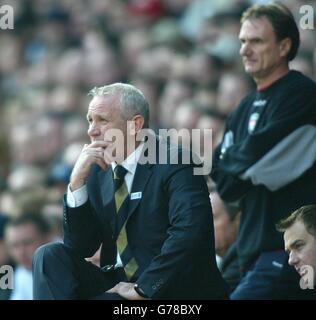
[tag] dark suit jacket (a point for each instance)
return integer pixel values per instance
(169, 230)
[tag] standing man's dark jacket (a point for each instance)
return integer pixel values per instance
(266, 161)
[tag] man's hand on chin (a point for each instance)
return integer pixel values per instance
(126, 290)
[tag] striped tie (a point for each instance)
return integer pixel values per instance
(121, 203)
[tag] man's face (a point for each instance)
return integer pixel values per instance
(22, 241)
(104, 114)
(261, 52)
(225, 229)
(301, 247)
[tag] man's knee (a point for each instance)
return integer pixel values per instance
(49, 251)
(52, 265)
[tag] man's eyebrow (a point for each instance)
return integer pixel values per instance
(250, 38)
(100, 115)
(294, 244)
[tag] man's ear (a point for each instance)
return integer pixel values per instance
(139, 123)
(285, 47)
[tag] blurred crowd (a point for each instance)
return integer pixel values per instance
(183, 55)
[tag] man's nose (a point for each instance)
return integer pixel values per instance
(293, 259)
(244, 49)
(94, 131)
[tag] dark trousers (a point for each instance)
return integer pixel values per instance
(270, 277)
(60, 274)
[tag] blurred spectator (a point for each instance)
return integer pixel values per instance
(174, 93)
(156, 63)
(37, 141)
(206, 98)
(304, 63)
(73, 131)
(226, 223)
(25, 177)
(4, 255)
(175, 7)
(212, 120)
(26, 190)
(186, 116)
(185, 119)
(4, 159)
(231, 89)
(23, 235)
(204, 69)
(133, 43)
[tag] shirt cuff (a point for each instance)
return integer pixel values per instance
(78, 197)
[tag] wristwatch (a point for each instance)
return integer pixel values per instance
(140, 291)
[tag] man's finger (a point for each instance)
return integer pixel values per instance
(101, 163)
(96, 144)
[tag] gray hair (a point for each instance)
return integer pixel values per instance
(131, 101)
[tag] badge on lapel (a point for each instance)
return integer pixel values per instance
(136, 195)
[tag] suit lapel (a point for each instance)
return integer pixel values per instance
(141, 178)
(142, 175)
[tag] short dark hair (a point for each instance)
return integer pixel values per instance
(282, 21)
(35, 219)
(306, 214)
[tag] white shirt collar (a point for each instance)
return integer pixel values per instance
(130, 163)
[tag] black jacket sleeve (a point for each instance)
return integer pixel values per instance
(81, 230)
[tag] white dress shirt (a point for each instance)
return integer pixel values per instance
(23, 284)
(78, 197)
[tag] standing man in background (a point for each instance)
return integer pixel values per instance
(266, 161)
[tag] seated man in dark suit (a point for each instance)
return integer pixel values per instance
(152, 219)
